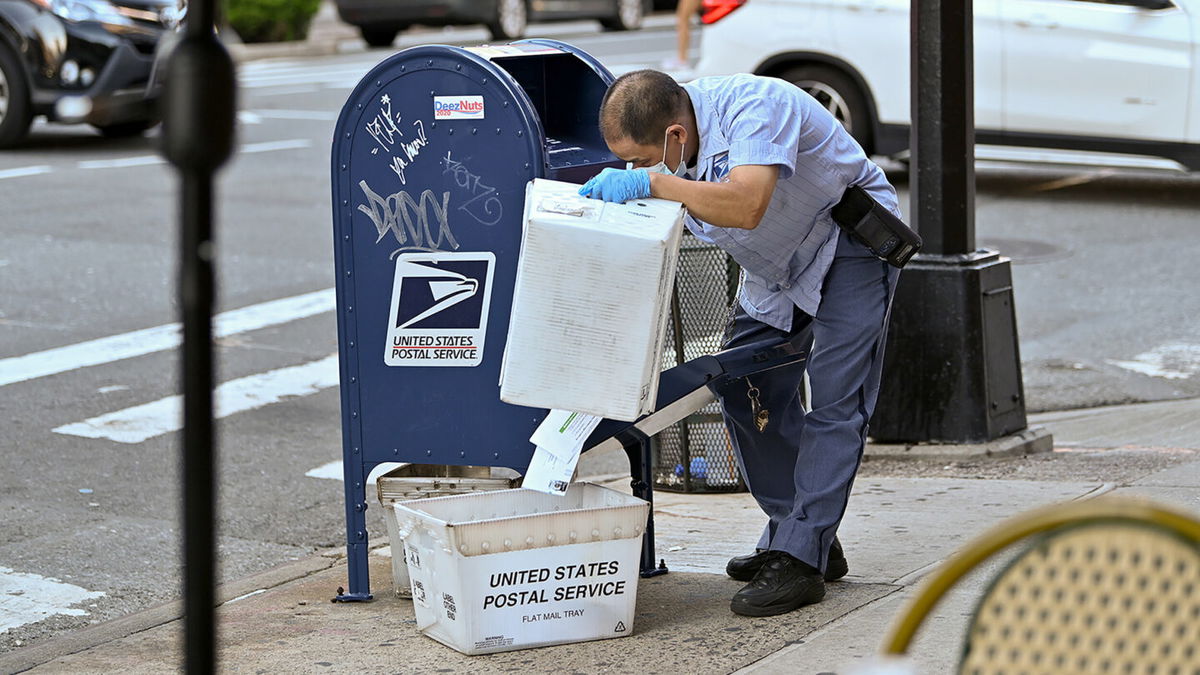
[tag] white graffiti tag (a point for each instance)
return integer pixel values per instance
(408, 220)
(386, 132)
(484, 206)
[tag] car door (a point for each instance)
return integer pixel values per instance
(875, 37)
(1103, 68)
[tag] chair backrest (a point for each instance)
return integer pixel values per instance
(1108, 585)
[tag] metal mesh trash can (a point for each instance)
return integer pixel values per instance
(695, 455)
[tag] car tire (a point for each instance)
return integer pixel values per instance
(509, 20)
(16, 112)
(125, 129)
(627, 15)
(840, 95)
(378, 37)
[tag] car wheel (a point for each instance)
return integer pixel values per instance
(628, 15)
(838, 94)
(15, 110)
(510, 20)
(378, 37)
(125, 129)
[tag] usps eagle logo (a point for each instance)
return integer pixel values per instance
(439, 308)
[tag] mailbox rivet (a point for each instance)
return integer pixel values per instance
(358, 486)
(451, 132)
(360, 106)
(497, 131)
(347, 134)
(428, 453)
(346, 237)
(403, 68)
(343, 167)
(353, 380)
(347, 272)
(505, 105)
(360, 534)
(352, 343)
(358, 507)
(430, 62)
(520, 133)
(526, 165)
(474, 131)
(458, 67)
(496, 455)
(350, 309)
(462, 453)
(432, 92)
(395, 451)
(354, 414)
(378, 83)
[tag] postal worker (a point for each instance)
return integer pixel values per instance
(761, 166)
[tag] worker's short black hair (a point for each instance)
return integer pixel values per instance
(641, 105)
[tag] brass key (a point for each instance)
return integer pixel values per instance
(761, 414)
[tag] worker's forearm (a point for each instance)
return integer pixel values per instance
(720, 204)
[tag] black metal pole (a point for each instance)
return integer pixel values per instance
(952, 371)
(198, 136)
(943, 130)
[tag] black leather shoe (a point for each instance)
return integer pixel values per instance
(744, 567)
(782, 584)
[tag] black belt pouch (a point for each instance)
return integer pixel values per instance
(875, 227)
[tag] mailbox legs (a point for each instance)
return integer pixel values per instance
(357, 570)
(637, 446)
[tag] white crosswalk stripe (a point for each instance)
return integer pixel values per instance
(139, 423)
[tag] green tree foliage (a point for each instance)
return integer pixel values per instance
(271, 20)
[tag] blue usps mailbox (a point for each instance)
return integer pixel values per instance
(431, 156)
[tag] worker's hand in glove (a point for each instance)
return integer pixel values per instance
(618, 185)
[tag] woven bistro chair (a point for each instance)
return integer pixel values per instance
(1109, 585)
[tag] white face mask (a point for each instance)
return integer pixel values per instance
(662, 167)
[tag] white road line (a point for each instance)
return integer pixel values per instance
(159, 338)
(334, 471)
(139, 423)
(25, 171)
(142, 160)
(28, 598)
(150, 160)
(288, 91)
(318, 115)
(1173, 361)
(293, 144)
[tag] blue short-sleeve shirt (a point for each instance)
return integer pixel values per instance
(747, 119)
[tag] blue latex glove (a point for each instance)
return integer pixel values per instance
(618, 185)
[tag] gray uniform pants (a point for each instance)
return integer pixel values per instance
(801, 466)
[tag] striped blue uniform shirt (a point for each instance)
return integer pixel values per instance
(747, 119)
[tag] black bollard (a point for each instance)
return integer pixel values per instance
(198, 137)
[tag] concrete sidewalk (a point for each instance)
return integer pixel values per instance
(896, 530)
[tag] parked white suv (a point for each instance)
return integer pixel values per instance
(1104, 75)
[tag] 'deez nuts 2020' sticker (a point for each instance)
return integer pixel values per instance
(439, 309)
(458, 107)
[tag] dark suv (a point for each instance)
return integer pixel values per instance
(80, 61)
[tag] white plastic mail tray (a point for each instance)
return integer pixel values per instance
(591, 302)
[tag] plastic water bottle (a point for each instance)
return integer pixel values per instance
(699, 467)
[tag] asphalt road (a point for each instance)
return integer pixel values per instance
(1105, 292)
